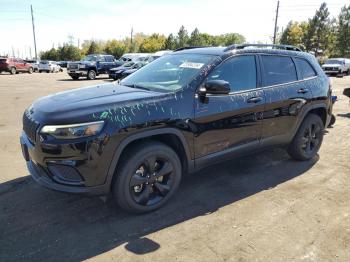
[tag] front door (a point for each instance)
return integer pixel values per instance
(226, 123)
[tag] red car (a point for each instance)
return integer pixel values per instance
(14, 65)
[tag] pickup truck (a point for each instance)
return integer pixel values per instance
(91, 66)
(337, 66)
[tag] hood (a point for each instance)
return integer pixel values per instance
(130, 71)
(119, 68)
(82, 63)
(85, 101)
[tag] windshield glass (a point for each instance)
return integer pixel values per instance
(89, 58)
(168, 73)
(333, 61)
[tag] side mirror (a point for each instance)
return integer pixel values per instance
(215, 87)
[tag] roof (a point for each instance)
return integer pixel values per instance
(243, 49)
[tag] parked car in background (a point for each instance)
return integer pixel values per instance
(117, 72)
(134, 140)
(91, 66)
(15, 65)
(133, 69)
(337, 66)
(62, 64)
(34, 63)
(49, 67)
(128, 57)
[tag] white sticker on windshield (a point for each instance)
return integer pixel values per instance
(191, 65)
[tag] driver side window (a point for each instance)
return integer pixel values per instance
(239, 72)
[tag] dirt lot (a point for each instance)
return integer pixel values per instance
(260, 208)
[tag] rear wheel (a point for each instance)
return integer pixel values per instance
(308, 139)
(150, 174)
(91, 75)
(13, 70)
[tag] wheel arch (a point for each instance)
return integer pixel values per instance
(168, 136)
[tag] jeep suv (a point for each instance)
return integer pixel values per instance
(15, 65)
(91, 66)
(182, 112)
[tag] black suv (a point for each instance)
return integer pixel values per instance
(92, 66)
(184, 111)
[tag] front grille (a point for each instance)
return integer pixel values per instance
(29, 126)
(73, 66)
(331, 68)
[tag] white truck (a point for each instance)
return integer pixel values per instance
(337, 66)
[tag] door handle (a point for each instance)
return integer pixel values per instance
(254, 99)
(303, 91)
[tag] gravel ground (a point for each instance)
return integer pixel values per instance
(265, 207)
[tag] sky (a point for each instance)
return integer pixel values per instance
(108, 19)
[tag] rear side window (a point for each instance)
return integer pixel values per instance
(239, 71)
(305, 69)
(278, 70)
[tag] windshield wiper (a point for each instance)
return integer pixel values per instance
(136, 86)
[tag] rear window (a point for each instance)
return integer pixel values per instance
(278, 70)
(305, 69)
(3, 60)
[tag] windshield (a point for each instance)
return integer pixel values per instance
(333, 61)
(89, 58)
(44, 62)
(168, 73)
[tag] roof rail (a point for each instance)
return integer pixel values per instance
(282, 47)
(189, 47)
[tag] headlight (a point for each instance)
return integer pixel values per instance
(73, 131)
(81, 66)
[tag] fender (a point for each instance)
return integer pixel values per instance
(145, 134)
(307, 110)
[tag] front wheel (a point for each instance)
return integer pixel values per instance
(150, 174)
(74, 77)
(91, 75)
(13, 70)
(308, 139)
(30, 70)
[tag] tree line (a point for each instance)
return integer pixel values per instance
(321, 34)
(141, 43)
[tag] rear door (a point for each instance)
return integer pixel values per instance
(19, 64)
(232, 122)
(286, 95)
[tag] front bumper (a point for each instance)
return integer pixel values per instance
(73, 72)
(56, 178)
(330, 72)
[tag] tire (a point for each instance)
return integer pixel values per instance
(30, 70)
(308, 139)
(75, 77)
(332, 122)
(13, 71)
(91, 75)
(135, 189)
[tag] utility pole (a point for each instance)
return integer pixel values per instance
(132, 30)
(31, 9)
(275, 30)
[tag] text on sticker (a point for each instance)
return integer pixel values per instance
(191, 65)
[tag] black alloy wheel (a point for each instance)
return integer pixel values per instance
(308, 139)
(149, 175)
(152, 181)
